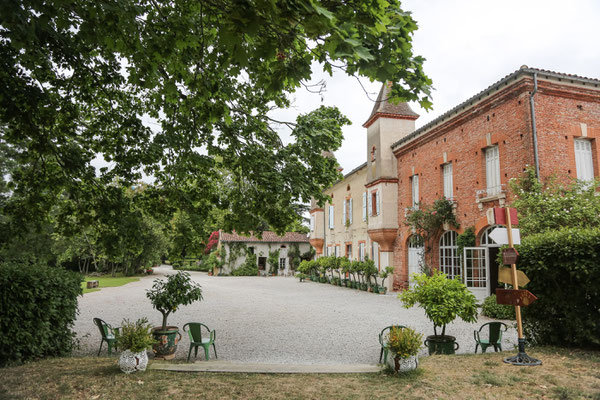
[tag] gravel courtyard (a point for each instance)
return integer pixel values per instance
(272, 320)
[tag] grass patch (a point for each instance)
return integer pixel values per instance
(444, 377)
(108, 281)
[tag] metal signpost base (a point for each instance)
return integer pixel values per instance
(522, 358)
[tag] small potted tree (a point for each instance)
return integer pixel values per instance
(387, 271)
(135, 338)
(404, 345)
(443, 300)
(166, 297)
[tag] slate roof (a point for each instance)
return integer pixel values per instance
(382, 106)
(542, 73)
(267, 237)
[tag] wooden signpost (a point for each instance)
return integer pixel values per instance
(515, 296)
(505, 276)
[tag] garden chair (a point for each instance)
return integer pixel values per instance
(196, 340)
(108, 335)
(384, 349)
(494, 336)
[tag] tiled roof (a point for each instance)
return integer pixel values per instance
(542, 73)
(383, 106)
(267, 236)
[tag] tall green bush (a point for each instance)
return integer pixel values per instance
(38, 305)
(564, 268)
(248, 268)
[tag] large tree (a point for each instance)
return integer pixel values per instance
(180, 90)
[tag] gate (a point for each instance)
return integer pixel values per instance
(476, 271)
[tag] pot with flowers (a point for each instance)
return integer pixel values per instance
(135, 338)
(166, 297)
(404, 345)
(443, 300)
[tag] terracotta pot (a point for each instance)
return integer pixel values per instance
(166, 342)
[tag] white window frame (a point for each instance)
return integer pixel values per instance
(448, 181)
(378, 202)
(312, 222)
(282, 263)
(331, 212)
(449, 257)
(361, 251)
(492, 170)
(414, 188)
(336, 251)
(584, 160)
(344, 212)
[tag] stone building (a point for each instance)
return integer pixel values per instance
(531, 117)
(237, 246)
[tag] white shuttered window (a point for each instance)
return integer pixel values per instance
(330, 217)
(448, 181)
(378, 200)
(370, 205)
(492, 170)
(364, 206)
(344, 215)
(415, 191)
(350, 210)
(584, 161)
(312, 223)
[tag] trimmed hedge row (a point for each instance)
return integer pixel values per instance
(38, 305)
(564, 268)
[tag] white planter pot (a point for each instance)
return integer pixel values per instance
(130, 362)
(404, 364)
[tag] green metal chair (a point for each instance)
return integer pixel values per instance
(108, 335)
(196, 340)
(494, 336)
(384, 349)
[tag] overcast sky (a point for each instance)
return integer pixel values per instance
(469, 45)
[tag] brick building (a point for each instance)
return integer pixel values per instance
(531, 117)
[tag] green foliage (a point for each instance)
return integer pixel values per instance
(294, 256)
(135, 336)
(236, 249)
(564, 270)
(273, 261)
(248, 268)
(387, 271)
(177, 290)
(428, 221)
(301, 276)
(442, 299)
(554, 204)
(38, 306)
(465, 239)
(499, 311)
(404, 342)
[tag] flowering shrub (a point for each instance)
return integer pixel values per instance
(404, 342)
(213, 240)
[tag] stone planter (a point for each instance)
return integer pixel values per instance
(131, 362)
(399, 365)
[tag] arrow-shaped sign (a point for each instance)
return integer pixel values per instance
(505, 276)
(513, 297)
(500, 236)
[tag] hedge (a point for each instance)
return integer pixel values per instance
(564, 268)
(38, 306)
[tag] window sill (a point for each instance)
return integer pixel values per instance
(500, 197)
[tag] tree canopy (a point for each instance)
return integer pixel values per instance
(180, 91)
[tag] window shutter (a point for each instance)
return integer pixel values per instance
(370, 203)
(378, 199)
(312, 223)
(492, 170)
(364, 206)
(344, 219)
(583, 160)
(448, 184)
(330, 217)
(350, 210)
(415, 191)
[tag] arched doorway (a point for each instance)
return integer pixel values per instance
(416, 255)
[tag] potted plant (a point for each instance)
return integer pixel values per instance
(301, 276)
(387, 271)
(135, 338)
(404, 345)
(166, 297)
(443, 300)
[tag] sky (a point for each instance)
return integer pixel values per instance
(469, 45)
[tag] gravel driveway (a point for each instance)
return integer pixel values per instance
(272, 320)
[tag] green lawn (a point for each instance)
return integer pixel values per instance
(565, 374)
(108, 281)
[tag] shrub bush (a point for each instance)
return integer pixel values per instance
(564, 268)
(38, 305)
(498, 311)
(248, 268)
(404, 342)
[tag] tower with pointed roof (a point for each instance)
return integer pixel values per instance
(387, 124)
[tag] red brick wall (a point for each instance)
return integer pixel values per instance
(506, 115)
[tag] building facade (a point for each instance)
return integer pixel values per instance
(236, 247)
(531, 117)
